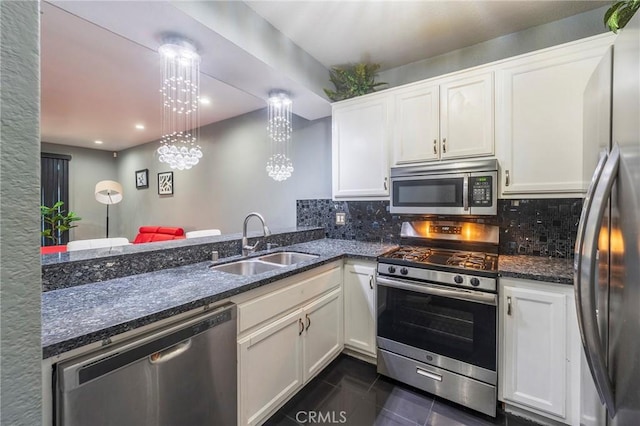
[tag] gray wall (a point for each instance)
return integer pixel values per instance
(20, 283)
(562, 31)
(230, 180)
(86, 168)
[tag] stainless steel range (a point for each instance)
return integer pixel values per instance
(437, 311)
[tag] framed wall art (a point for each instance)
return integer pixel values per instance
(142, 179)
(165, 183)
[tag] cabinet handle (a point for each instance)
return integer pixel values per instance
(371, 282)
(301, 326)
(509, 305)
(435, 146)
(444, 145)
(385, 184)
(308, 321)
(506, 178)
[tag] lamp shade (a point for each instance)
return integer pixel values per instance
(108, 192)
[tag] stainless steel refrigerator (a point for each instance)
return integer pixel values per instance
(607, 261)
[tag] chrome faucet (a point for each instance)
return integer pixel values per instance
(246, 248)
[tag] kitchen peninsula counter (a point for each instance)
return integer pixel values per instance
(78, 315)
(62, 270)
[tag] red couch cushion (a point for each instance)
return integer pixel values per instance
(53, 249)
(149, 234)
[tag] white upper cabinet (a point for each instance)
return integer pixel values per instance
(417, 126)
(531, 119)
(539, 125)
(360, 147)
(466, 116)
(442, 119)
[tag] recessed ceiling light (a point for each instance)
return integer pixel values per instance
(140, 126)
(205, 101)
(98, 142)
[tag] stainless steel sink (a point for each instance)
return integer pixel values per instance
(247, 267)
(287, 257)
(265, 263)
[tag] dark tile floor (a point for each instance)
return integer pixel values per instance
(350, 392)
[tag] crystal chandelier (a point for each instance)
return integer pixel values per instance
(279, 166)
(180, 96)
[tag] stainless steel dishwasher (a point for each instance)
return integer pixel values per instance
(183, 374)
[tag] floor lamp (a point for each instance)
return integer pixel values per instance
(108, 192)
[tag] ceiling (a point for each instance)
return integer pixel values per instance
(395, 33)
(101, 71)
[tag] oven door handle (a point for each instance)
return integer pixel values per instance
(436, 290)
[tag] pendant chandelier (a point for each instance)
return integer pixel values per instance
(279, 166)
(180, 96)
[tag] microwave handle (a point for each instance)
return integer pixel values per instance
(465, 192)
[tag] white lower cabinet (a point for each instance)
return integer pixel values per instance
(540, 349)
(322, 337)
(360, 307)
(285, 352)
(270, 367)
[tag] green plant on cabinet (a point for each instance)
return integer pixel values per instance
(352, 80)
(617, 16)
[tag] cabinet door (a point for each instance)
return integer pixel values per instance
(359, 308)
(323, 337)
(466, 116)
(416, 126)
(270, 368)
(535, 356)
(360, 143)
(540, 120)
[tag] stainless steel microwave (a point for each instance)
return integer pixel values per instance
(446, 188)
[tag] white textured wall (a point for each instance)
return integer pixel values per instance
(20, 287)
(230, 181)
(86, 168)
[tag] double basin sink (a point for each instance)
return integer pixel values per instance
(265, 263)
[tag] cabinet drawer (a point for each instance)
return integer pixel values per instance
(280, 301)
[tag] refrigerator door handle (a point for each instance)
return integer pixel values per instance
(586, 283)
(583, 219)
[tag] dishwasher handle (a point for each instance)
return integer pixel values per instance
(168, 354)
(164, 345)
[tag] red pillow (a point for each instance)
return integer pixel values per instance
(158, 233)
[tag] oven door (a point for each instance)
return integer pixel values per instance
(454, 329)
(445, 194)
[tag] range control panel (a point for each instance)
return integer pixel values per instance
(480, 190)
(445, 229)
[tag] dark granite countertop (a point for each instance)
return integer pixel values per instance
(93, 254)
(69, 269)
(76, 316)
(537, 268)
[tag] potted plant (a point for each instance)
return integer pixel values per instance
(353, 80)
(617, 16)
(56, 222)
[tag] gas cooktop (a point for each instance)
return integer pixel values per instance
(420, 256)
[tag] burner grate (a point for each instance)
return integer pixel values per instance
(444, 257)
(468, 260)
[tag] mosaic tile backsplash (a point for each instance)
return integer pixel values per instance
(543, 227)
